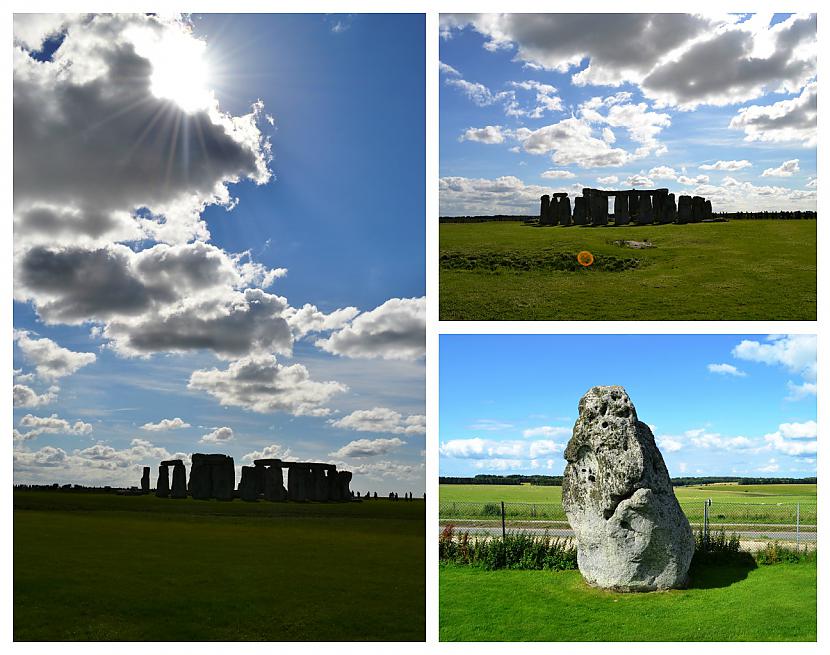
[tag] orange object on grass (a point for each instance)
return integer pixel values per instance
(585, 258)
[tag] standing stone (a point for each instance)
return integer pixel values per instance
(223, 477)
(274, 491)
(248, 483)
(179, 487)
(343, 479)
(543, 210)
(697, 209)
(631, 534)
(163, 484)
(565, 211)
(671, 209)
(633, 204)
(707, 209)
(200, 482)
(684, 209)
(661, 205)
(145, 480)
(599, 209)
(298, 482)
(580, 216)
(645, 215)
(621, 215)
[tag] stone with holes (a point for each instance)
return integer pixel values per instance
(631, 534)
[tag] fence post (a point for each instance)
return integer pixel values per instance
(706, 524)
(502, 521)
(797, 522)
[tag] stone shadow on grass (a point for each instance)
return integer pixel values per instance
(714, 572)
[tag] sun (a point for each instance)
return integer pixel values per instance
(180, 68)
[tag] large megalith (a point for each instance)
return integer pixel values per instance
(178, 488)
(145, 480)
(163, 483)
(631, 534)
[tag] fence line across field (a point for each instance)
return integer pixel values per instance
(790, 522)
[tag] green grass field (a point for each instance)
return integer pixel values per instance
(740, 270)
(735, 602)
(106, 567)
(732, 493)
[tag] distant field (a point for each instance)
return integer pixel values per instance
(740, 270)
(106, 567)
(723, 603)
(732, 493)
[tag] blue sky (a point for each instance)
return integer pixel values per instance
(231, 259)
(717, 404)
(721, 106)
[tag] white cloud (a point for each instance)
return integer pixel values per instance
(25, 396)
(490, 134)
(669, 444)
(272, 451)
(703, 439)
(572, 142)
(796, 353)
(608, 179)
(219, 435)
(546, 98)
(547, 431)
(771, 467)
(477, 448)
(166, 424)
(490, 425)
(786, 121)
(796, 439)
(786, 169)
(663, 173)
(639, 180)
(262, 385)
(461, 196)
(730, 165)
(50, 360)
(381, 419)
(53, 424)
(368, 447)
(699, 179)
(557, 175)
(394, 330)
(725, 369)
(544, 447)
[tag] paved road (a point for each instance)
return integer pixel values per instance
(567, 532)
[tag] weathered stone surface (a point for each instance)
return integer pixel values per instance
(630, 531)
(543, 209)
(248, 483)
(671, 209)
(343, 480)
(200, 484)
(565, 211)
(178, 488)
(298, 483)
(580, 216)
(621, 215)
(274, 491)
(684, 209)
(163, 484)
(212, 476)
(707, 209)
(645, 215)
(697, 209)
(661, 205)
(145, 479)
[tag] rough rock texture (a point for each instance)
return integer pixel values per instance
(163, 484)
(630, 531)
(178, 488)
(645, 215)
(580, 213)
(212, 476)
(621, 215)
(684, 209)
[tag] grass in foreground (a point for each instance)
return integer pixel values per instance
(740, 270)
(104, 567)
(731, 602)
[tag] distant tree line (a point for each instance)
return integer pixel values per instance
(556, 480)
(774, 215)
(484, 219)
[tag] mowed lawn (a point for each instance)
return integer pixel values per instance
(106, 567)
(723, 603)
(738, 270)
(731, 493)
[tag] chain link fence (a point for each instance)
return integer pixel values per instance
(755, 524)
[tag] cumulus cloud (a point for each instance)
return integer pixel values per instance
(381, 419)
(683, 60)
(461, 196)
(785, 121)
(546, 98)
(394, 330)
(608, 179)
(272, 451)
(368, 447)
(219, 435)
(797, 439)
(730, 165)
(725, 369)
(703, 439)
(557, 175)
(165, 425)
(260, 384)
(50, 360)
(668, 444)
(490, 134)
(786, 169)
(572, 142)
(796, 353)
(37, 425)
(487, 449)
(25, 396)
